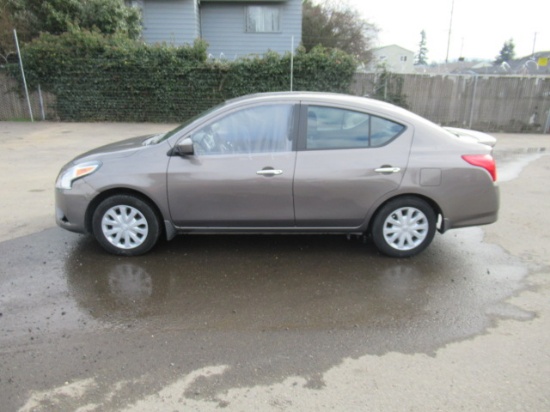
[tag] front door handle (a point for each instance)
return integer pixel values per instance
(269, 172)
(387, 170)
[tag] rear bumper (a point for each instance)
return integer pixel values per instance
(482, 210)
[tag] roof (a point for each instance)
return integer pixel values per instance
(391, 46)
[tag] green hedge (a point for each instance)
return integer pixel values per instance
(111, 78)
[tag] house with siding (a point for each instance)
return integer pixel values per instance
(231, 28)
(393, 58)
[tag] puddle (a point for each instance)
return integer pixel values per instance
(295, 283)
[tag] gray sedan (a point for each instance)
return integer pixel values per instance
(283, 163)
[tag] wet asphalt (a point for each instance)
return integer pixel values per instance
(267, 307)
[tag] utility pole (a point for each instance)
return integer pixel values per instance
(450, 31)
(534, 44)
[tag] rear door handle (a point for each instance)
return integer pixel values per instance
(386, 170)
(269, 172)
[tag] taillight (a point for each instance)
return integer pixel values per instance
(485, 161)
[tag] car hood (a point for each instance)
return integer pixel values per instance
(123, 148)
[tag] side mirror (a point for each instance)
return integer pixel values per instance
(185, 147)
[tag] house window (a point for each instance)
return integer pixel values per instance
(262, 19)
(403, 58)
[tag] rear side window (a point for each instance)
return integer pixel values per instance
(335, 128)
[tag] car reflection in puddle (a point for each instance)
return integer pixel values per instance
(302, 283)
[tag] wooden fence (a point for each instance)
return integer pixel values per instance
(487, 103)
(14, 105)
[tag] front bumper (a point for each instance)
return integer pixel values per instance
(71, 206)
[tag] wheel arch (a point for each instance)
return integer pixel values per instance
(121, 191)
(432, 203)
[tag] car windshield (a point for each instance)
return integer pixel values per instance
(164, 136)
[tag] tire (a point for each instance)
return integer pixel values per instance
(125, 225)
(404, 227)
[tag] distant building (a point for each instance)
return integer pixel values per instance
(393, 58)
(537, 64)
(534, 64)
(231, 28)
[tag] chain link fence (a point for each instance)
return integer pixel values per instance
(125, 96)
(100, 80)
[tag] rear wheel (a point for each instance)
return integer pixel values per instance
(125, 225)
(404, 227)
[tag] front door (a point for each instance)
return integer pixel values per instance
(241, 174)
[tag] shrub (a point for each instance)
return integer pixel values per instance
(113, 78)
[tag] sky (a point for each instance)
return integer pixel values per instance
(479, 27)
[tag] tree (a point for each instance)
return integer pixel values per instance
(31, 17)
(422, 56)
(507, 52)
(7, 24)
(336, 25)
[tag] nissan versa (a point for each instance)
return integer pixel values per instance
(284, 163)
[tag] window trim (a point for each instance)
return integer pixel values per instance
(302, 137)
(262, 6)
(224, 112)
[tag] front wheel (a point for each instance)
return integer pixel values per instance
(125, 225)
(404, 227)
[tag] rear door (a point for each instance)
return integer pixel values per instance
(346, 161)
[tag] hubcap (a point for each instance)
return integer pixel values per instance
(406, 228)
(124, 226)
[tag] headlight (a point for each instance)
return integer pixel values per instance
(67, 177)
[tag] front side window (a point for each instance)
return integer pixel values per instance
(262, 19)
(334, 128)
(261, 129)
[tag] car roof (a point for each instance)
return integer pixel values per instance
(301, 95)
(359, 102)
